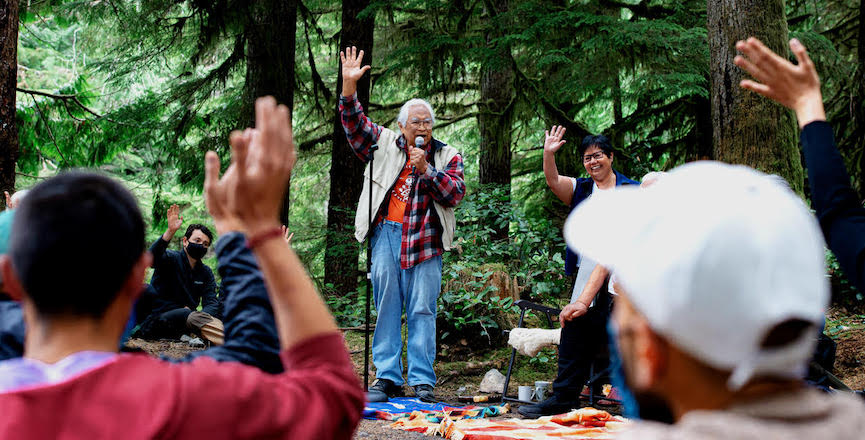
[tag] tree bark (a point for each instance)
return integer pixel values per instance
(747, 128)
(496, 115)
(346, 171)
(858, 119)
(8, 80)
(270, 50)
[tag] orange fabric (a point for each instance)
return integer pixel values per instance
(399, 195)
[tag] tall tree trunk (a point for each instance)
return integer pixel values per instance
(749, 129)
(496, 116)
(270, 61)
(698, 147)
(8, 81)
(346, 171)
(858, 135)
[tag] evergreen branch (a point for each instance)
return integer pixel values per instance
(379, 107)
(317, 81)
(64, 98)
(48, 128)
(562, 117)
(455, 119)
(309, 144)
(30, 175)
(641, 9)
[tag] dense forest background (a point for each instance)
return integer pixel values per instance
(141, 89)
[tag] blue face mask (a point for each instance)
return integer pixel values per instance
(196, 251)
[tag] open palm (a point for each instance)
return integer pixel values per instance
(351, 64)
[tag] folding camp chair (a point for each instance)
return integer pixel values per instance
(597, 371)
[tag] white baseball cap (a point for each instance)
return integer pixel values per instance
(713, 256)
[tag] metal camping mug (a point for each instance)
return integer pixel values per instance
(525, 393)
(541, 390)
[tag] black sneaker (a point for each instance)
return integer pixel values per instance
(425, 393)
(551, 406)
(382, 390)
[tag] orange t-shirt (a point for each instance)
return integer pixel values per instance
(399, 195)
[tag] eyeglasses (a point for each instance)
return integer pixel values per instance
(597, 156)
(418, 123)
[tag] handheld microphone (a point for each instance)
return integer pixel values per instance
(418, 143)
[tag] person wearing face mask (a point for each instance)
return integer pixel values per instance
(180, 283)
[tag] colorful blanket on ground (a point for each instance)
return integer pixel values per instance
(585, 423)
(403, 407)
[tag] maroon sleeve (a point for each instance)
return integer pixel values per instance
(318, 396)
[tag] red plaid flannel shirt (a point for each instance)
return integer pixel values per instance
(421, 228)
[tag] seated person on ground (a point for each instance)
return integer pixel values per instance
(721, 289)
(71, 382)
(180, 282)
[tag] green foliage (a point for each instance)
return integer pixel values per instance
(843, 292)
(165, 80)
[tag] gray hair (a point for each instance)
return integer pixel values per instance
(403, 112)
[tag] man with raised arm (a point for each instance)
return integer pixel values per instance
(797, 87)
(71, 382)
(418, 180)
(584, 320)
(180, 283)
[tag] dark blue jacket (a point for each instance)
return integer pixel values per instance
(250, 328)
(11, 329)
(838, 209)
(179, 285)
(581, 193)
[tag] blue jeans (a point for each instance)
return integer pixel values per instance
(417, 288)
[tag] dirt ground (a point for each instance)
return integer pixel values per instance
(848, 331)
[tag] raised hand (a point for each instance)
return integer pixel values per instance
(175, 220)
(352, 70)
(287, 235)
(795, 86)
(216, 189)
(553, 139)
(9, 204)
(251, 191)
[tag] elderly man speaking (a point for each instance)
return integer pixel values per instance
(417, 182)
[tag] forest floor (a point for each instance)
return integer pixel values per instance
(458, 366)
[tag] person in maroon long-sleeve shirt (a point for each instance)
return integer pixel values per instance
(71, 382)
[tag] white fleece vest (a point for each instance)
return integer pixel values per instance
(388, 162)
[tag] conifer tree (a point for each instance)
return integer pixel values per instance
(346, 171)
(8, 79)
(747, 128)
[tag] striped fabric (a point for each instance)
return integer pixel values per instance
(585, 423)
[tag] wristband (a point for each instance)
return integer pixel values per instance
(261, 237)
